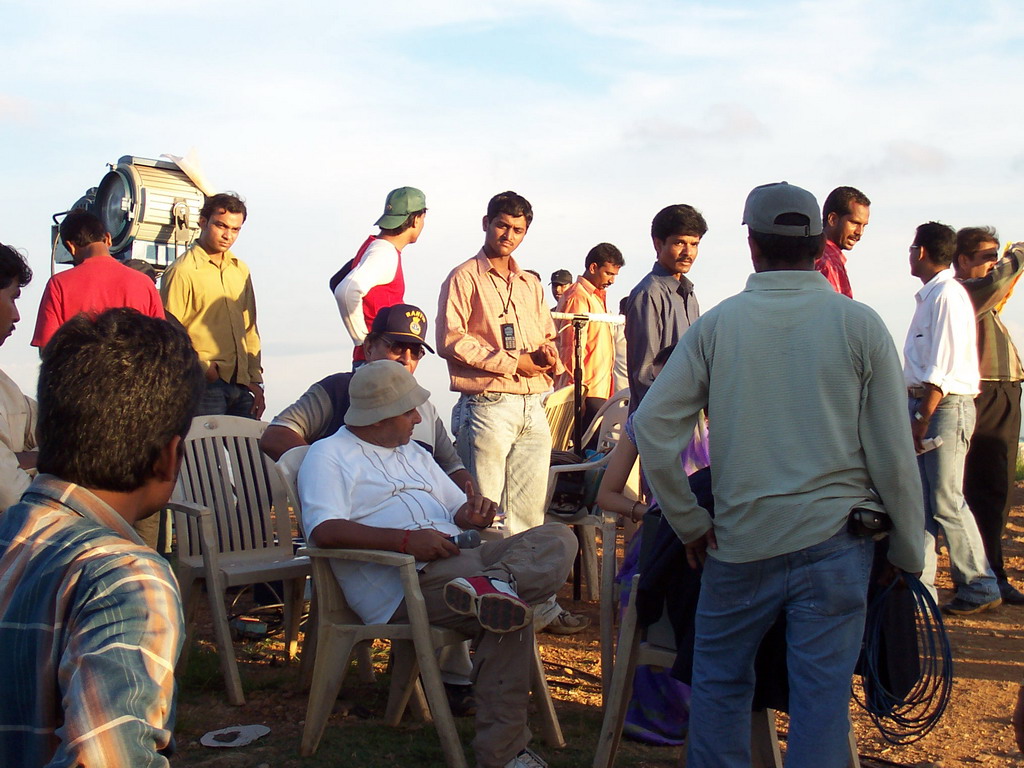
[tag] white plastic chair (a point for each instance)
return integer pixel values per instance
(233, 528)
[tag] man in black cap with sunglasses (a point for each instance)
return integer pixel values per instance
(398, 333)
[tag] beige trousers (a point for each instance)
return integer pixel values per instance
(536, 562)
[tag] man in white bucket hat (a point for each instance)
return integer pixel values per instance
(370, 486)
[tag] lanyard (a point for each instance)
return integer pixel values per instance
(508, 301)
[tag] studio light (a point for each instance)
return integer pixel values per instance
(150, 207)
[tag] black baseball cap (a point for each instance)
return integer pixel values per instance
(561, 277)
(402, 323)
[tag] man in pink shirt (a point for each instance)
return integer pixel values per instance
(96, 283)
(844, 215)
(498, 339)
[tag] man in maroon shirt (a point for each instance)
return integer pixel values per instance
(844, 216)
(97, 282)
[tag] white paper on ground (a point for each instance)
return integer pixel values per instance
(235, 736)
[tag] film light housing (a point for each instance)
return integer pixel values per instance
(150, 207)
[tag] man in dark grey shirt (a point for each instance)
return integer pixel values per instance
(662, 305)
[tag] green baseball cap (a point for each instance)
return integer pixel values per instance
(400, 203)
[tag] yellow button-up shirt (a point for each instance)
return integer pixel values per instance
(217, 306)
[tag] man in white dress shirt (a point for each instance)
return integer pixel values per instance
(940, 368)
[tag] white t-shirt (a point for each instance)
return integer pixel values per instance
(345, 478)
(378, 266)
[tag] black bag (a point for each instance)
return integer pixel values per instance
(340, 275)
(570, 487)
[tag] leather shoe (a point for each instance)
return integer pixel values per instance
(960, 607)
(1010, 594)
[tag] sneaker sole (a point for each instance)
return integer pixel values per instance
(495, 612)
(460, 599)
(498, 613)
(973, 609)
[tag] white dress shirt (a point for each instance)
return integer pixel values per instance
(942, 343)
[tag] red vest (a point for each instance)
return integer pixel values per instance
(379, 296)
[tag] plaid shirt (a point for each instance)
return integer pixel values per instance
(475, 303)
(832, 264)
(997, 356)
(91, 627)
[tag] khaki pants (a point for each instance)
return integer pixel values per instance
(536, 562)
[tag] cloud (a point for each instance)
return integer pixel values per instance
(720, 123)
(14, 109)
(907, 159)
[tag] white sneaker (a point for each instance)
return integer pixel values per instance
(526, 759)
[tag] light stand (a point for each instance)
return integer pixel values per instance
(579, 322)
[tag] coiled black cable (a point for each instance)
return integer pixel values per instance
(908, 718)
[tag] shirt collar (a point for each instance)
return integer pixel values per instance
(939, 279)
(685, 284)
(483, 264)
(84, 503)
(833, 251)
(202, 256)
(788, 280)
(590, 288)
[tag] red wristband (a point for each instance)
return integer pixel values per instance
(405, 540)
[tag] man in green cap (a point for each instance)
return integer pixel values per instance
(374, 279)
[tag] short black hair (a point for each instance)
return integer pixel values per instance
(228, 202)
(841, 200)
(663, 355)
(114, 389)
(678, 220)
(511, 204)
(969, 239)
(81, 228)
(13, 268)
(409, 223)
(788, 249)
(140, 265)
(605, 253)
(938, 240)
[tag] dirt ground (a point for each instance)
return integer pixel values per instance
(988, 655)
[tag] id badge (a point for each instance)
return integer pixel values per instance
(508, 337)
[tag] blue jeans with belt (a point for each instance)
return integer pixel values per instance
(505, 442)
(823, 591)
(942, 479)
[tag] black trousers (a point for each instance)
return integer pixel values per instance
(992, 463)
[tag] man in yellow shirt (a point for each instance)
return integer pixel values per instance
(210, 291)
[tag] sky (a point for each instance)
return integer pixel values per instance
(600, 113)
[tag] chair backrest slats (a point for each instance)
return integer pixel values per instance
(224, 471)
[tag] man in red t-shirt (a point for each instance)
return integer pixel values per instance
(844, 216)
(96, 283)
(374, 279)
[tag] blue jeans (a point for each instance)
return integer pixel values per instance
(223, 399)
(505, 442)
(823, 591)
(942, 479)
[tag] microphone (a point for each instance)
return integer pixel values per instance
(466, 540)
